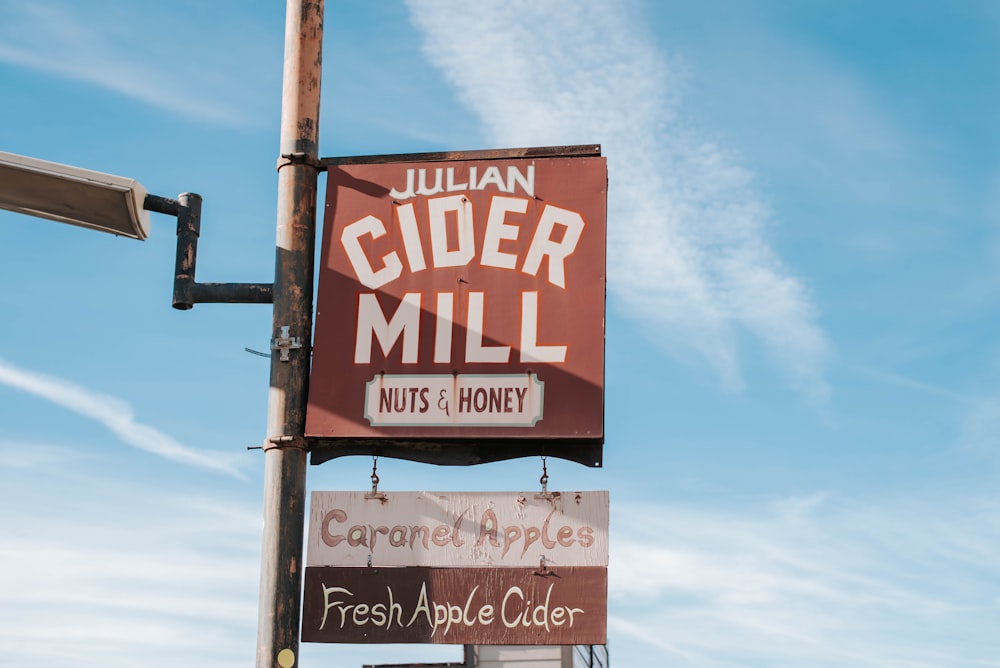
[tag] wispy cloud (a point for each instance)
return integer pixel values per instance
(908, 383)
(108, 45)
(816, 581)
(117, 416)
(688, 253)
(118, 572)
(979, 417)
(85, 579)
(980, 428)
(16, 455)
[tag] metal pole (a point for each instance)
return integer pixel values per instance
(285, 450)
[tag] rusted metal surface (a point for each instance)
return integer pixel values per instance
(462, 303)
(494, 606)
(485, 154)
(163, 205)
(458, 529)
(285, 462)
(188, 292)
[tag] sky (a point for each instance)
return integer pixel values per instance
(802, 346)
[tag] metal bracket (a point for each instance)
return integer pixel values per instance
(284, 343)
(286, 442)
(300, 158)
(544, 570)
(188, 292)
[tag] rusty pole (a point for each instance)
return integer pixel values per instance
(284, 449)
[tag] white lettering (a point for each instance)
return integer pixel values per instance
(422, 189)
(350, 239)
(327, 604)
(516, 610)
(450, 185)
(407, 192)
(443, 327)
(515, 177)
(437, 212)
(422, 606)
(451, 225)
(411, 237)
(475, 351)
(405, 322)
(513, 591)
(543, 245)
(416, 181)
(530, 350)
(492, 177)
(497, 230)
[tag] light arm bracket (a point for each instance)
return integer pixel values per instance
(188, 292)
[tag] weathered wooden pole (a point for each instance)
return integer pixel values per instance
(285, 449)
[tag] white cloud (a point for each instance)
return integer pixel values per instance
(116, 574)
(687, 249)
(17, 455)
(117, 416)
(108, 45)
(980, 428)
(816, 581)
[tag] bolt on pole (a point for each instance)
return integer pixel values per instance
(284, 449)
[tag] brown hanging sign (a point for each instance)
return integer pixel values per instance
(460, 310)
(495, 606)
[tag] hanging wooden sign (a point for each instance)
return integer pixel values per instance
(494, 606)
(458, 529)
(457, 567)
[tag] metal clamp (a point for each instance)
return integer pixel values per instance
(300, 159)
(286, 442)
(284, 343)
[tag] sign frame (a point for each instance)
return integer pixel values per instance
(481, 443)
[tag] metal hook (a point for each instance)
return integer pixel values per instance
(375, 494)
(544, 480)
(543, 569)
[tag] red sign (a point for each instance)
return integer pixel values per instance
(462, 300)
(499, 606)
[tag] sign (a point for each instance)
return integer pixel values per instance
(458, 529)
(513, 400)
(461, 302)
(501, 568)
(497, 606)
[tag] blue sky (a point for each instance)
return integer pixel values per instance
(802, 338)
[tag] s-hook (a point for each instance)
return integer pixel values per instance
(375, 494)
(544, 480)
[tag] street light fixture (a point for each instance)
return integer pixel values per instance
(73, 195)
(121, 206)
